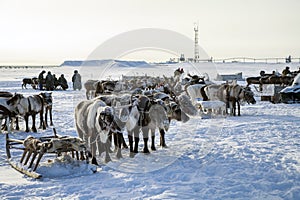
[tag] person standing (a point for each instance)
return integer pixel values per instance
(49, 82)
(41, 79)
(76, 79)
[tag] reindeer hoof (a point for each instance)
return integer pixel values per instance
(135, 151)
(34, 130)
(153, 148)
(146, 151)
(94, 161)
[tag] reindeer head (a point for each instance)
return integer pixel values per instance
(47, 97)
(15, 100)
(105, 118)
(248, 95)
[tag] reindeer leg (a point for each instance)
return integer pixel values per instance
(107, 150)
(233, 107)
(116, 141)
(93, 150)
(136, 132)
(136, 144)
(119, 138)
(145, 131)
(153, 139)
(26, 122)
(17, 124)
(239, 108)
(46, 120)
(130, 139)
(50, 114)
(162, 138)
(136, 140)
(123, 142)
(33, 123)
(227, 106)
(42, 122)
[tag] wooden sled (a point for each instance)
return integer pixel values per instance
(33, 149)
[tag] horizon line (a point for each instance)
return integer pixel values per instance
(238, 59)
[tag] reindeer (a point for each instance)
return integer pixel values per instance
(29, 106)
(90, 87)
(8, 112)
(229, 94)
(47, 99)
(32, 81)
(94, 122)
(150, 116)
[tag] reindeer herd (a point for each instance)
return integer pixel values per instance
(136, 106)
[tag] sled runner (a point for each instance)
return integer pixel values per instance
(34, 149)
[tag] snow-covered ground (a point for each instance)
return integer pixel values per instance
(254, 156)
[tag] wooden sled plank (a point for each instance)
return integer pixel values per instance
(24, 171)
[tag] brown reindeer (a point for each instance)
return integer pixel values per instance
(32, 81)
(229, 94)
(90, 87)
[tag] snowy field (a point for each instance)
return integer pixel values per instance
(254, 156)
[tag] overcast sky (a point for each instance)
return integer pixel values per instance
(51, 31)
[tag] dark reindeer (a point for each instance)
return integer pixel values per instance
(149, 116)
(32, 81)
(105, 87)
(5, 114)
(48, 101)
(4, 97)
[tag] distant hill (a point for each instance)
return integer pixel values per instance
(120, 63)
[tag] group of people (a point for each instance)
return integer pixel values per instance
(50, 82)
(287, 72)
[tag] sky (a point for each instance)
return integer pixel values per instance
(49, 32)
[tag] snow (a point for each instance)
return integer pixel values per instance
(254, 156)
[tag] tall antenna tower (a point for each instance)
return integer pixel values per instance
(196, 53)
